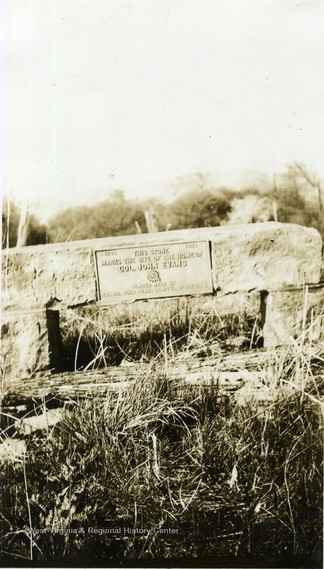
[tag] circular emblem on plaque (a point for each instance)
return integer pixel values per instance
(153, 276)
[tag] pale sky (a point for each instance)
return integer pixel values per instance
(127, 94)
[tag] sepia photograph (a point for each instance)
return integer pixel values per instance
(162, 283)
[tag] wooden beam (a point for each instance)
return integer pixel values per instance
(228, 372)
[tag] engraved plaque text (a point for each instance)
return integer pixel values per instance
(153, 271)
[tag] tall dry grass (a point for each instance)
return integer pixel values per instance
(229, 480)
(163, 470)
(93, 337)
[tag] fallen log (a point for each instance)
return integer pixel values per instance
(229, 372)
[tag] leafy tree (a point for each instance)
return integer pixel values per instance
(115, 216)
(204, 208)
(198, 202)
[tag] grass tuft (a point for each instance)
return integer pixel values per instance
(225, 478)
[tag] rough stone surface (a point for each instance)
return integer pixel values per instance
(246, 261)
(25, 344)
(272, 256)
(292, 313)
(244, 257)
(42, 276)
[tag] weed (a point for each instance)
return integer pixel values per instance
(168, 470)
(160, 470)
(93, 338)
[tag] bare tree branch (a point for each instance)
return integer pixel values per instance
(312, 180)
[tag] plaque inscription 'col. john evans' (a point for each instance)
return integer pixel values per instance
(153, 271)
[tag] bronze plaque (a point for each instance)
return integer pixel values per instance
(153, 271)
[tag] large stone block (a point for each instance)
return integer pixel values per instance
(265, 256)
(44, 275)
(245, 260)
(243, 257)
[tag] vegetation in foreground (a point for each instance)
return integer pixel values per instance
(93, 337)
(163, 471)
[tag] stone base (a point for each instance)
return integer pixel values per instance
(292, 315)
(30, 343)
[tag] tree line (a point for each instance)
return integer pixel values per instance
(292, 197)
